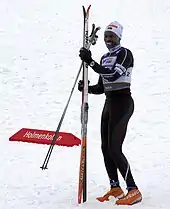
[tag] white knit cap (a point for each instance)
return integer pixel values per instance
(116, 28)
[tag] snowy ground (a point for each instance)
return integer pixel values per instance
(39, 43)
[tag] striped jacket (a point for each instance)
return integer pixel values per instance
(114, 71)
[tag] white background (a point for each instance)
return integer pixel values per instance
(39, 47)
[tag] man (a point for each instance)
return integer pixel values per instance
(114, 71)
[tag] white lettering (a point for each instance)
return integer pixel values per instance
(47, 136)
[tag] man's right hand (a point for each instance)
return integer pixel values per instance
(80, 85)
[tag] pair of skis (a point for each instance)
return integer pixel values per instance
(87, 41)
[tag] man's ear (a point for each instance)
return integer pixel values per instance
(118, 40)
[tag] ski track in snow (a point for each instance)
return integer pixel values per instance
(39, 42)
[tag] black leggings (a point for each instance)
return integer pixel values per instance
(115, 116)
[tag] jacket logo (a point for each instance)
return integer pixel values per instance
(108, 60)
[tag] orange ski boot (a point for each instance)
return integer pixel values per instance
(132, 197)
(115, 192)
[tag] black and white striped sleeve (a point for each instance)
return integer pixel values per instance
(124, 61)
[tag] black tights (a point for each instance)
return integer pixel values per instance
(115, 116)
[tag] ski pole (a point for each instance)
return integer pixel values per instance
(44, 166)
(45, 163)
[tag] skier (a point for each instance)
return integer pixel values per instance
(114, 71)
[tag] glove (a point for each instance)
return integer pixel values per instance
(85, 55)
(80, 85)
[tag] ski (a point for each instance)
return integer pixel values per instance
(82, 189)
(87, 42)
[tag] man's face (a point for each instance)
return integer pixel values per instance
(111, 39)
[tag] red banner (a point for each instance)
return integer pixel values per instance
(45, 137)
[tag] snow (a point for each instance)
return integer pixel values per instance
(39, 42)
